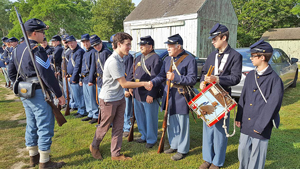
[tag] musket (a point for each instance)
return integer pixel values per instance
(130, 136)
(58, 116)
(164, 126)
(64, 73)
(56, 76)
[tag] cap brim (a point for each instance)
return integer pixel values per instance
(211, 37)
(94, 44)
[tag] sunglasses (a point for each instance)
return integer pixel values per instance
(252, 56)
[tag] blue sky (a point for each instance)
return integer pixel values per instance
(136, 2)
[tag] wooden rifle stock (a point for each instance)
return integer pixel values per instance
(67, 112)
(164, 126)
(57, 114)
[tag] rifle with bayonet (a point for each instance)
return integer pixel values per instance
(58, 116)
(130, 136)
(164, 126)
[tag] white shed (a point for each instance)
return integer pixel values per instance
(192, 19)
(287, 39)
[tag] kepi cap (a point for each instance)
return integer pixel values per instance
(22, 39)
(217, 30)
(111, 38)
(146, 40)
(261, 47)
(175, 39)
(35, 25)
(70, 38)
(64, 37)
(95, 40)
(4, 39)
(85, 37)
(13, 39)
(56, 38)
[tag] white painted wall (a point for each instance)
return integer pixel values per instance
(290, 47)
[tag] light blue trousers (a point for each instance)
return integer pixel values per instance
(40, 121)
(127, 114)
(89, 93)
(146, 116)
(78, 97)
(252, 152)
(214, 143)
(178, 127)
(5, 75)
(72, 101)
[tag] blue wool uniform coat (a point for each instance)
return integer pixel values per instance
(253, 112)
(57, 57)
(128, 61)
(7, 54)
(101, 57)
(188, 77)
(75, 70)
(89, 66)
(42, 63)
(232, 72)
(153, 64)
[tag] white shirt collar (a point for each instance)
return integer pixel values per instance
(261, 72)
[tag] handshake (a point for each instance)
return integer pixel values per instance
(148, 85)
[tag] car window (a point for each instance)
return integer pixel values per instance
(285, 58)
(276, 57)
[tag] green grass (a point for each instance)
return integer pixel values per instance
(71, 141)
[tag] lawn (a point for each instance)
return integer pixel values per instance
(71, 141)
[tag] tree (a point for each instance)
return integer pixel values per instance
(5, 26)
(257, 16)
(296, 9)
(62, 16)
(108, 16)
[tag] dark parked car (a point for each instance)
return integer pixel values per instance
(285, 67)
(163, 53)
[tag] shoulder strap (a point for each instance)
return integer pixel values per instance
(181, 59)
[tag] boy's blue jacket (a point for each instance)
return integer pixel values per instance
(253, 112)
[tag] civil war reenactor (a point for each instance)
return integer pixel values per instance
(47, 48)
(3, 67)
(39, 116)
(112, 102)
(183, 75)
(73, 71)
(21, 40)
(147, 66)
(13, 43)
(258, 110)
(101, 56)
(65, 55)
(57, 52)
(227, 72)
(88, 80)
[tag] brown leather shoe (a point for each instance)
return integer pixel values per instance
(213, 167)
(34, 160)
(51, 165)
(121, 157)
(205, 165)
(95, 153)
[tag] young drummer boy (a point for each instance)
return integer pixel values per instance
(259, 105)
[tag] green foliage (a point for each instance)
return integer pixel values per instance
(296, 9)
(5, 26)
(257, 16)
(108, 16)
(62, 16)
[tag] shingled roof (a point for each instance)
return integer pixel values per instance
(150, 9)
(282, 34)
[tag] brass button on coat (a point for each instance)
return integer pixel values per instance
(249, 118)
(250, 104)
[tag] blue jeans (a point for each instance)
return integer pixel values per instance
(5, 75)
(127, 114)
(89, 93)
(40, 121)
(78, 97)
(147, 119)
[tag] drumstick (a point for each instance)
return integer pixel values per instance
(210, 70)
